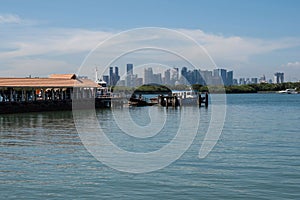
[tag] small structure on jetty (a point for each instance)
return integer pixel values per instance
(43, 94)
(182, 100)
(139, 101)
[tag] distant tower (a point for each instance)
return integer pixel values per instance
(148, 76)
(222, 73)
(229, 78)
(116, 76)
(262, 79)
(278, 77)
(167, 77)
(111, 75)
(117, 71)
(184, 72)
(184, 78)
(96, 75)
(129, 69)
(175, 74)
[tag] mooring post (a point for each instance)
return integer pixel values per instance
(206, 99)
(199, 99)
(167, 102)
(176, 101)
(173, 101)
(180, 102)
(160, 97)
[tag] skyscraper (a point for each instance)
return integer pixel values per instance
(278, 77)
(167, 77)
(157, 78)
(219, 76)
(148, 76)
(111, 74)
(129, 69)
(175, 74)
(254, 80)
(262, 79)
(229, 78)
(131, 80)
(184, 76)
(207, 76)
(184, 72)
(113, 77)
(117, 71)
(116, 76)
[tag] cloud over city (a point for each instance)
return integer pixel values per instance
(59, 45)
(293, 64)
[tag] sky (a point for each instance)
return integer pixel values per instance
(251, 38)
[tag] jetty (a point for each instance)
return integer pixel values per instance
(47, 94)
(67, 91)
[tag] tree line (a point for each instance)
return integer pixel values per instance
(250, 88)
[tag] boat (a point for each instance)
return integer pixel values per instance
(139, 101)
(104, 90)
(288, 91)
(186, 97)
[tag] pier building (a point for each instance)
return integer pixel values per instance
(42, 94)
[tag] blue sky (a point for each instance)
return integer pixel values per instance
(231, 17)
(266, 31)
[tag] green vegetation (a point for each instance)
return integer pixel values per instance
(153, 89)
(251, 88)
(150, 89)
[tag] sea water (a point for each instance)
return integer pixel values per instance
(257, 155)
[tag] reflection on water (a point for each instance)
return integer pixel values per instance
(37, 128)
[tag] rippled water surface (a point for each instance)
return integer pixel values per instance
(256, 157)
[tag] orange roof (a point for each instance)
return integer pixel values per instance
(67, 76)
(62, 81)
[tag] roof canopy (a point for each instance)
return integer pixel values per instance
(54, 81)
(63, 76)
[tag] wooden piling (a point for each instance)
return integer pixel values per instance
(206, 99)
(199, 100)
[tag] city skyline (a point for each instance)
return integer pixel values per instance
(175, 76)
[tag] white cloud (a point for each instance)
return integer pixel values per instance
(54, 42)
(68, 41)
(237, 48)
(35, 67)
(10, 19)
(293, 64)
(35, 47)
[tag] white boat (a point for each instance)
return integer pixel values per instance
(288, 91)
(186, 97)
(104, 90)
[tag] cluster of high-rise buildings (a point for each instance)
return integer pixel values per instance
(172, 76)
(278, 78)
(176, 76)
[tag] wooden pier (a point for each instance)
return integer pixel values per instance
(62, 91)
(203, 100)
(48, 94)
(168, 101)
(175, 101)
